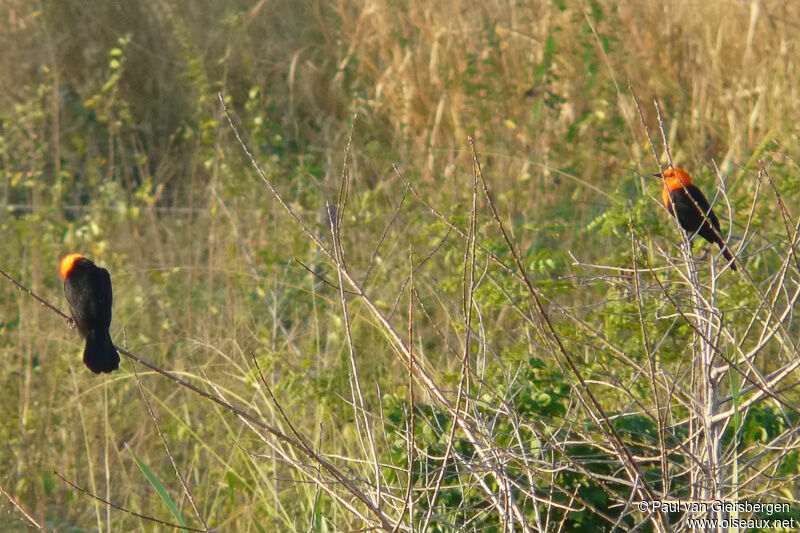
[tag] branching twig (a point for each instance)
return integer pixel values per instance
(123, 509)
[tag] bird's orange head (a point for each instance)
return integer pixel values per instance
(67, 263)
(676, 178)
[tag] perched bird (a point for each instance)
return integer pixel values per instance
(682, 200)
(88, 290)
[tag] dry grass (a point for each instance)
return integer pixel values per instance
(524, 399)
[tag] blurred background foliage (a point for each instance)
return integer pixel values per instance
(113, 143)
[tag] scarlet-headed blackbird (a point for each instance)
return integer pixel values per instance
(682, 200)
(88, 290)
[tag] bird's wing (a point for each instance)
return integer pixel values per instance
(109, 295)
(704, 206)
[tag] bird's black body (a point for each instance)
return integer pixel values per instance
(683, 205)
(88, 291)
(690, 218)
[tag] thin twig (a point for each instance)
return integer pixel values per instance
(186, 489)
(126, 510)
(22, 511)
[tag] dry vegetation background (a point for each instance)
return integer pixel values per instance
(113, 142)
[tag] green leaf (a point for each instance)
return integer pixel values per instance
(162, 492)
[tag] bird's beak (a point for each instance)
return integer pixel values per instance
(658, 175)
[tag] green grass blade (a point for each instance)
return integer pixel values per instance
(162, 491)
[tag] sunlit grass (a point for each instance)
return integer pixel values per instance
(112, 143)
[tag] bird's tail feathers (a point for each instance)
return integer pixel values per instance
(727, 254)
(100, 355)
